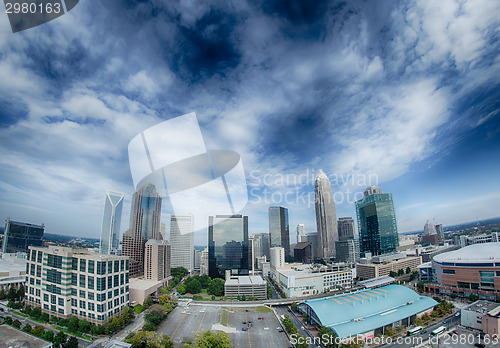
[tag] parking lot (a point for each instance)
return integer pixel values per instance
(185, 321)
(261, 332)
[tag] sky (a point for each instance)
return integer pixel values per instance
(401, 94)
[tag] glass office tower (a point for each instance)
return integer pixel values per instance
(18, 236)
(111, 219)
(279, 229)
(378, 231)
(228, 245)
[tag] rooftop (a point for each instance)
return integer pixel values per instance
(141, 284)
(376, 282)
(365, 310)
(482, 306)
(12, 338)
(245, 280)
(476, 253)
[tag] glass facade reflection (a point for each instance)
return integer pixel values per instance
(228, 245)
(378, 231)
(279, 229)
(18, 236)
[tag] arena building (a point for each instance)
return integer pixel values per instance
(474, 269)
(368, 312)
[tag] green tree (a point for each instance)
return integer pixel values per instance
(293, 306)
(213, 298)
(44, 317)
(244, 297)
(289, 327)
(193, 287)
(27, 328)
(393, 274)
(149, 326)
(83, 326)
(181, 289)
(216, 287)
(71, 343)
(60, 338)
(302, 339)
(150, 339)
(12, 294)
(473, 297)
(38, 331)
(17, 324)
(408, 270)
(329, 334)
(3, 295)
(401, 272)
(36, 313)
(389, 331)
(205, 281)
(113, 326)
(156, 315)
(420, 286)
(453, 295)
(7, 320)
(178, 271)
(269, 291)
(20, 293)
(147, 302)
(208, 339)
(73, 324)
(49, 336)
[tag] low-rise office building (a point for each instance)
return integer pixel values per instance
(473, 315)
(385, 264)
(248, 286)
(12, 270)
(66, 281)
(300, 280)
(12, 338)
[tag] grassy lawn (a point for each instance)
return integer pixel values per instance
(138, 309)
(224, 317)
(204, 291)
(262, 309)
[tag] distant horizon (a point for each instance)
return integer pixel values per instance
(201, 245)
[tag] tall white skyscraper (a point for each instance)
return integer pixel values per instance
(300, 232)
(326, 219)
(182, 241)
(111, 218)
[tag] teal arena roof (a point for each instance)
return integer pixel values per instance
(366, 310)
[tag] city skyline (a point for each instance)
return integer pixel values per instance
(382, 94)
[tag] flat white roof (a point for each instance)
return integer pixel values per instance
(475, 253)
(141, 284)
(245, 280)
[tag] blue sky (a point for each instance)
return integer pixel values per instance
(402, 94)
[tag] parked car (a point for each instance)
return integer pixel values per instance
(244, 329)
(260, 318)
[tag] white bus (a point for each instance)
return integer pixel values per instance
(415, 330)
(438, 331)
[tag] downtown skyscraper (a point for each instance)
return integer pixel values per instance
(378, 231)
(326, 219)
(144, 225)
(279, 229)
(111, 219)
(182, 241)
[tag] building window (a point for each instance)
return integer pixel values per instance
(82, 280)
(54, 261)
(117, 292)
(116, 280)
(74, 303)
(122, 265)
(101, 297)
(82, 294)
(53, 289)
(39, 257)
(74, 279)
(117, 266)
(101, 267)
(60, 311)
(101, 284)
(110, 266)
(83, 265)
(45, 306)
(110, 304)
(53, 299)
(82, 304)
(38, 292)
(122, 278)
(91, 266)
(53, 276)
(91, 306)
(100, 308)
(90, 282)
(38, 271)
(110, 294)
(33, 255)
(46, 297)
(448, 271)
(110, 282)
(60, 301)
(126, 264)
(90, 295)
(73, 291)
